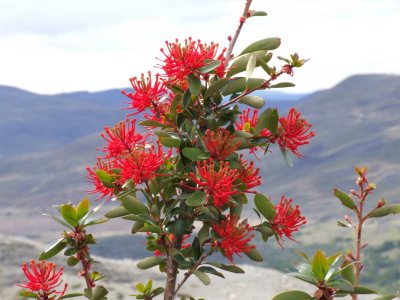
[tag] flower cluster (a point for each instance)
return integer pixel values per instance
(288, 219)
(128, 157)
(43, 279)
(219, 143)
(219, 184)
(182, 60)
(293, 132)
(233, 236)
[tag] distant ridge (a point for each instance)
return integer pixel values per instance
(32, 123)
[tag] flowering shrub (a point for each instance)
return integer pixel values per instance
(183, 181)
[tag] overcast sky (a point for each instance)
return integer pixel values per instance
(52, 46)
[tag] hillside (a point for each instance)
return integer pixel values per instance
(33, 123)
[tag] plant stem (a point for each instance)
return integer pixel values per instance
(358, 265)
(237, 32)
(190, 272)
(264, 85)
(172, 271)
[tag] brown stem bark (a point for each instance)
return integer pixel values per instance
(237, 32)
(172, 271)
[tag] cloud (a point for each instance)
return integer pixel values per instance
(53, 46)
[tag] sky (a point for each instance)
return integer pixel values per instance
(54, 46)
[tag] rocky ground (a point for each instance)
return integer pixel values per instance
(257, 283)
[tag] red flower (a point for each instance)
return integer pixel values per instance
(218, 184)
(99, 188)
(158, 253)
(183, 60)
(146, 93)
(219, 143)
(248, 174)
(43, 279)
(121, 138)
(293, 132)
(234, 236)
(248, 123)
(288, 219)
(142, 163)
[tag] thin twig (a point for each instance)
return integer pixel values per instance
(235, 37)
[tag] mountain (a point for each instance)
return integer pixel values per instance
(33, 123)
(356, 123)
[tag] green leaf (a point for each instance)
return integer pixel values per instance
(215, 87)
(228, 268)
(282, 85)
(259, 14)
(239, 84)
(286, 157)
(269, 119)
(150, 228)
(253, 101)
(148, 287)
(140, 287)
(186, 98)
(198, 198)
(82, 208)
(265, 44)
(209, 66)
(72, 295)
(117, 212)
(68, 213)
(319, 265)
(346, 200)
(136, 227)
(210, 270)
(62, 222)
(363, 290)
(194, 84)
(133, 205)
(386, 297)
(72, 261)
(348, 272)
(254, 255)
(264, 206)
(240, 64)
(52, 249)
(202, 276)
(28, 294)
(150, 262)
(106, 179)
(197, 249)
(203, 233)
(293, 295)
(99, 293)
(386, 210)
(341, 224)
(251, 65)
(151, 123)
(342, 285)
(179, 227)
(195, 154)
(170, 142)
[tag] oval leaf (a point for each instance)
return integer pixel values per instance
(198, 198)
(117, 212)
(293, 295)
(134, 205)
(195, 154)
(346, 200)
(254, 255)
(150, 262)
(202, 276)
(264, 206)
(253, 101)
(265, 44)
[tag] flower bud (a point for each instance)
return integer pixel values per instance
(381, 203)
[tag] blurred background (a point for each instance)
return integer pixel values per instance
(64, 63)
